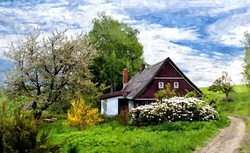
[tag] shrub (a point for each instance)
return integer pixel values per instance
(81, 115)
(211, 100)
(122, 118)
(225, 99)
(20, 134)
(72, 149)
(165, 93)
(190, 94)
(173, 109)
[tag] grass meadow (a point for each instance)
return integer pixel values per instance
(174, 137)
(115, 138)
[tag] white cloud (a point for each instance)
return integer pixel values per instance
(156, 40)
(202, 69)
(159, 32)
(157, 45)
(230, 31)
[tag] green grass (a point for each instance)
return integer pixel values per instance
(241, 104)
(114, 138)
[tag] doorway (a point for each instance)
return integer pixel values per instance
(122, 105)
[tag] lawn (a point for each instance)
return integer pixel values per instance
(114, 138)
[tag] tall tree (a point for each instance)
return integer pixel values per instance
(50, 70)
(117, 48)
(222, 84)
(246, 65)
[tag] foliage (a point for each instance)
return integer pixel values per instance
(171, 110)
(83, 116)
(246, 65)
(1, 93)
(122, 118)
(118, 48)
(177, 137)
(50, 70)
(190, 94)
(11, 105)
(211, 100)
(19, 134)
(73, 149)
(165, 93)
(222, 84)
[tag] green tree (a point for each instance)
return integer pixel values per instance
(222, 84)
(246, 65)
(117, 48)
(50, 70)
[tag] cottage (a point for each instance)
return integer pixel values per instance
(140, 89)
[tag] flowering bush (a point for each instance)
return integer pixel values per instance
(81, 115)
(173, 109)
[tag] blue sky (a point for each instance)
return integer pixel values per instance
(203, 37)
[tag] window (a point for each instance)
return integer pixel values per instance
(104, 106)
(176, 85)
(142, 102)
(160, 85)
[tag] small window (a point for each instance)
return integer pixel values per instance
(176, 85)
(160, 85)
(104, 106)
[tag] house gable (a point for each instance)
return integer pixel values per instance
(168, 73)
(167, 70)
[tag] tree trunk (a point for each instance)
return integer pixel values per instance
(227, 94)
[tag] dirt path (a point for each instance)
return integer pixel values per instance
(228, 140)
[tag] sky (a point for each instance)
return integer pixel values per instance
(202, 37)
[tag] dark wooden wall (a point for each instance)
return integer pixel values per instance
(167, 71)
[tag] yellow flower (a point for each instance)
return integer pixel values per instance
(81, 115)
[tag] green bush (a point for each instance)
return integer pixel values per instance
(211, 100)
(20, 134)
(164, 93)
(190, 94)
(72, 148)
(122, 118)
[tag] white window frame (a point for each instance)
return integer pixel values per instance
(176, 85)
(160, 85)
(104, 106)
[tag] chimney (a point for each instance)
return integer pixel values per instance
(142, 67)
(125, 77)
